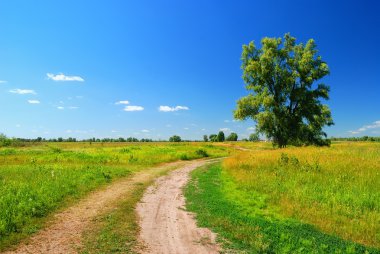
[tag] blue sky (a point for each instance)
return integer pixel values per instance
(104, 68)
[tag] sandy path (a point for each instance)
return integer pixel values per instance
(64, 233)
(165, 226)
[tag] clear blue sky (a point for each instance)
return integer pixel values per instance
(65, 66)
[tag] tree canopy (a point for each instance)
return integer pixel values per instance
(283, 98)
(254, 137)
(232, 137)
(213, 137)
(175, 138)
(220, 137)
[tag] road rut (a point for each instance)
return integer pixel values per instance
(166, 227)
(64, 233)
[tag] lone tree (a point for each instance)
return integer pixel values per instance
(283, 98)
(175, 138)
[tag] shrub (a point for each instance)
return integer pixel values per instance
(201, 153)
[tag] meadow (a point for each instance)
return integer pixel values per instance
(293, 200)
(39, 179)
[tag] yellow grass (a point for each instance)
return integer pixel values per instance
(337, 189)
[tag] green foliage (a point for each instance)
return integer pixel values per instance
(220, 137)
(175, 138)
(254, 137)
(205, 138)
(283, 99)
(201, 153)
(364, 138)
(213, 138)
(184, 157)
(4, 140)
(246, 223)
(232, 137)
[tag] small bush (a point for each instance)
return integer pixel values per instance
(125, 150)
(184, 157)
(56, 150)
(201, 153)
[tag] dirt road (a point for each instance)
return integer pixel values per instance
(65, 231)
(165, 226)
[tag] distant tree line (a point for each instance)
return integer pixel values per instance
(364, 138)
(220, 137)
(6, 141)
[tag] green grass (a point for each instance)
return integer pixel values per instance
(245, 223)
(116, 231)
(38, 180)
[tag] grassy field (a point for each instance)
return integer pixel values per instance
(39, 179)
(293, 200)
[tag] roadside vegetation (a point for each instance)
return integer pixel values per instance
(293, 200)
(37, 180)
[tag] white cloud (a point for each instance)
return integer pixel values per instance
(171, 109)
(22, 91)
(169, 125)
(63, 77)
(73, 107)
(60, 107)
(251, 129)
(34, 101)
(133, 108)
(225, 129)
(114, 131)
(146, 131)
(185, 128)
(226, 121)
(374, 125)
(18, 125)
(122, 102)
(203, 129)
(3, 81)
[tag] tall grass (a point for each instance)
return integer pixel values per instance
(37, 180)
(246, 224)
(335, 189)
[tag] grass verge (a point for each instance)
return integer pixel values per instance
(252, 227)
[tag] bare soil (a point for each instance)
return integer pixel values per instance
(166, 227)
(64, 233)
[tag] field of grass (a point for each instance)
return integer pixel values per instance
(293, 200)
(39, 179)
